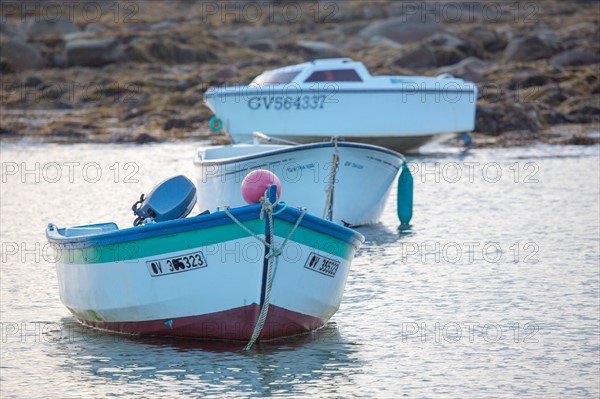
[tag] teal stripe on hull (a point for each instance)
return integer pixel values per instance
(134, 249)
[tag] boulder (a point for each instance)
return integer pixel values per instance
(163, 25)
(248, 34)
(93, 53)
(418, 57)
(169, 52)
(449, 49)
(261, 44)
(529, 79)
(574, 58)
(40, 27)
(406, 29)
(488, 39)
(383, 41)
(7, 29)
(32, 81)
(529, 48)
(20, 56)
(498, 118)
(145, 138)
(95, 27)
(468, 69)
(583, 109)
(222, 74)
(551, 94)
(175, 123)
(318, 49)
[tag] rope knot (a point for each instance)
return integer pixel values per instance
(267, 207)
(273, 253)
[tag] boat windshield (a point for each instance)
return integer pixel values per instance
(336, 75)
(275, 78)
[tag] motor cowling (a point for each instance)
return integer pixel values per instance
(172, 199)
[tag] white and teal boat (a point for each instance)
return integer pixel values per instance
(223, 275)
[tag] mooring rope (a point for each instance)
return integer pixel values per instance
(272, 256)
(328, 210)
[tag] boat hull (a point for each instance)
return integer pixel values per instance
(218, 283)
(232, 324)
(399, 119)
(362, 179)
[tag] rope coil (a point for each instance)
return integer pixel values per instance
(272, 257)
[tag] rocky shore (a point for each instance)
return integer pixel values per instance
(136, 71)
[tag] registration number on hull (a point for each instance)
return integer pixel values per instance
(176, 264)
(322, 264)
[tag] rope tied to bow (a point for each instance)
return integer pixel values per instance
(272, 255)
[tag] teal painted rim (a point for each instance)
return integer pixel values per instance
(131, 251)
(215, 123)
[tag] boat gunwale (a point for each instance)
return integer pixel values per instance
(244, 213)
(215, 92)
(294, 148)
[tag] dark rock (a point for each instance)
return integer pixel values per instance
(404, 29)
(79, 36)
(163, 25)
(145, 138)
(579, 139)
(95, 27)
(137, 53)
(21, 56)
(7, 132)
(495, 119)
(574, 58)
(382, 41)
(93, 53)
(248, 33)
(449, 49)
(551, 94)
(222, 74)
(134, 113)
(32, 81)
(523, 81)
(550, 117)
(38, 27)
(584, 109)
(419, 57)
(528, 48)
(262, 44)
(7, 29)
(68, 133)
(175, 123)
(318, 49)
(58, 60)
(468, 69)
(172, 53)
(489, 39)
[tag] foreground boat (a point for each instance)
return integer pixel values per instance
(205, 276)
(311, 101)
(348, 183)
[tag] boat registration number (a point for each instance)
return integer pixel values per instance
(176, 264)
(322, 264)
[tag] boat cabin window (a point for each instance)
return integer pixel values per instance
(336, 75)
(276, 78)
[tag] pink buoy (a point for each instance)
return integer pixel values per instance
(256, 182)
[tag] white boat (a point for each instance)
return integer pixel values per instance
(348, 183)
(217, 275)
(338, 97)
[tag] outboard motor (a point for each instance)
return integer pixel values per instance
(172, 199)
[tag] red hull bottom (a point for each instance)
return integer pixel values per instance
(232, 324)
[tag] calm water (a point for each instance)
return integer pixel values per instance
(492, 292)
